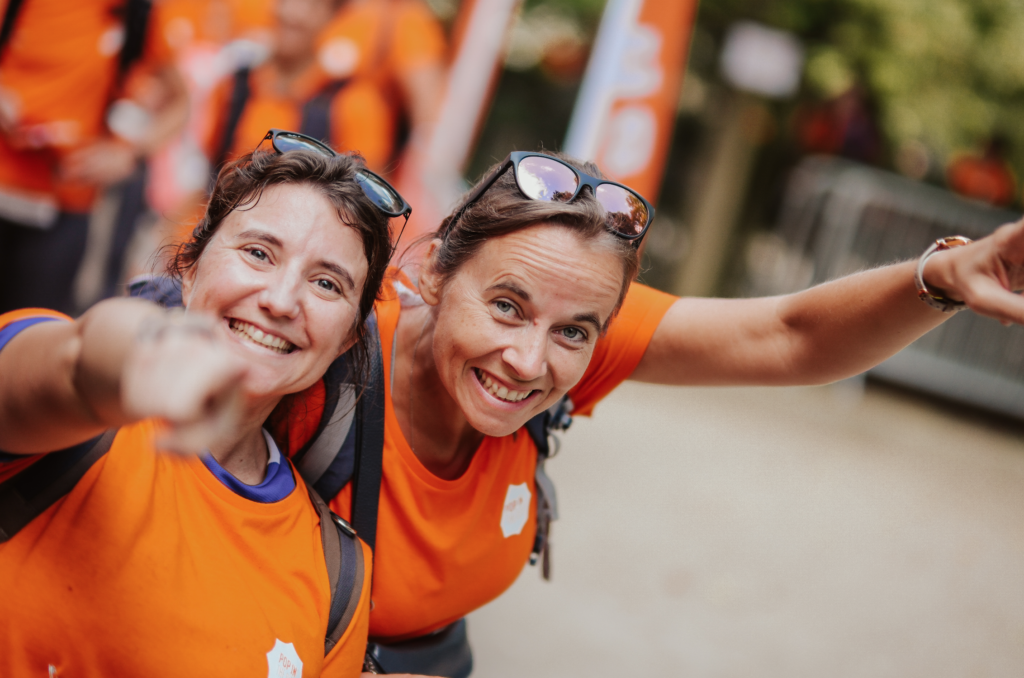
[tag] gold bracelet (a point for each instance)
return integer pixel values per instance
(944, 304)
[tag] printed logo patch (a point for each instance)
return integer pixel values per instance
(516, 509)
(283, 661)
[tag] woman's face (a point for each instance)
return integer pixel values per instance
(283, 279)
(517, 323)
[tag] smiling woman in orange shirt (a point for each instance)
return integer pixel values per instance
(159, 564)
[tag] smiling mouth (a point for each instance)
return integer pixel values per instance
(257, 336)
(498, 391)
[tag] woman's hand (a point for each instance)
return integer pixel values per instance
(179, 372)
(984, 274)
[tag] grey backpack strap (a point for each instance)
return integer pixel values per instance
(345, 570)
(541, 429)
(28, 494)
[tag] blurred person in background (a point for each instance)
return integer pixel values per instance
(986, 177)
(61, 67)
(846, 126)
(400, 45)
(289, 91)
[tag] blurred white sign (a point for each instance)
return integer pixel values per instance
(762, 60)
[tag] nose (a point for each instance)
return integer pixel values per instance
(281, 297)
(528, 356)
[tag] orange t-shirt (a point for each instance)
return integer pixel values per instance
(151, 566)
(60, 68)
(442, 549)
(359, 115)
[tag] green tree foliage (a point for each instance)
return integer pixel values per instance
(948, 73)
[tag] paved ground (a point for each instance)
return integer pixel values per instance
(774, 532)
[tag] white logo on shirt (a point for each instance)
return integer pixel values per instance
(516, 509)
(283, 661)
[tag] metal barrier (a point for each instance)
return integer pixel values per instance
(839, 217)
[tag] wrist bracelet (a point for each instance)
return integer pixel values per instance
(942, 303)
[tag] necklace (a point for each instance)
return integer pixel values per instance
(412, 369)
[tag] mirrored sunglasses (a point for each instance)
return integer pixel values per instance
(382, 194)
(543, 177)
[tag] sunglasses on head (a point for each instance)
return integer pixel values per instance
(543, 177)
(382, 194)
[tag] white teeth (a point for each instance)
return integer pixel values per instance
(499, 391)
(258, 336)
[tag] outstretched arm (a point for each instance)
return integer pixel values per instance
(834, 330)
(62, 383)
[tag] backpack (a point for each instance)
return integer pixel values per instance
(316, 113)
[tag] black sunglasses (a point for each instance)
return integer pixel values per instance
(543, 177)
(382, 194)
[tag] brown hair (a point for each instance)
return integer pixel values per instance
(503, 209)
(240, 185)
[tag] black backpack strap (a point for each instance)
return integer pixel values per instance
(241, 90)
(136, 24)
(28, 494)
(369, 442)
(346, 570)
(541, 428)
(11, 14)
(316, 113)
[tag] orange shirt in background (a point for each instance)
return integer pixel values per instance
(447, 547)
(359, 114)
(59, 71)
(383, 40)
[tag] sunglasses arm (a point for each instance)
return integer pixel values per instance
(480, 190)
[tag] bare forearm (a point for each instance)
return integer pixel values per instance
(819, 335)
(60, 382)
(847, 326)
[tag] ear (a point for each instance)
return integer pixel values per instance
(430, 281)
(188, 280)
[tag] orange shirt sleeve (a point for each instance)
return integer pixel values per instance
(620, 350)
(361, 122)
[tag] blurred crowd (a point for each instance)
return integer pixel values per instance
(143, 101)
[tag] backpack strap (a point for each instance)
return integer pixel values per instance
(27, 495)
(11, 14)
(241, 90)
(346, 570)
(316, 113)
(369, 441)
(136, 24)
(541, 429)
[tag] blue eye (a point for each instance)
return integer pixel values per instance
(573, 334)
(326, 285)
(258, 254)
(503, 306)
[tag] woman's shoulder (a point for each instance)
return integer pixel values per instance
(621, 348)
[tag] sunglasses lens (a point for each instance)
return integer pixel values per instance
(382, 195)
(627, 213)
(285, 142)
(546, 179)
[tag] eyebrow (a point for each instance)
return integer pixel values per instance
(274, 241)
(590, 318)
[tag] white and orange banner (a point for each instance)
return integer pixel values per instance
(626, 109)
(434, 178)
